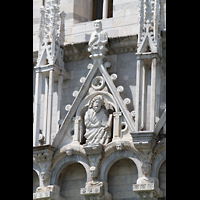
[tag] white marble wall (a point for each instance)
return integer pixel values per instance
(124, 21)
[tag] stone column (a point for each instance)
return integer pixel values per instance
(158, 88)
(144, 96)
(116, 127)
(105, 9)
(36, 125)
(138, 95)
(50, 103)
(90, 13)
(45, 106)
(153, 94)
(77, 129)
(60, 83)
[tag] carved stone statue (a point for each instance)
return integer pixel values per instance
(97, 42)
(97, 122)
(69, 151)
(99, 37)
(119, 146)
(146, 170)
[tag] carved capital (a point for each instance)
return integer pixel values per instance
(144, 141)
(92, 149)
(117, 114)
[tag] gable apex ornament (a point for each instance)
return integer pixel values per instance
(97, 42)
(147, 44)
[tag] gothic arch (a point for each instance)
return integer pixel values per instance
(115, 156)
(157, 162)
(63, 162)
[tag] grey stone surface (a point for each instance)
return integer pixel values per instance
(121, 177)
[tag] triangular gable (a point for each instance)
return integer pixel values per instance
(147, 40)
(82, 93)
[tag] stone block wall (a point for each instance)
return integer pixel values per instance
(121, 177)
(78, 26)
(71, 181)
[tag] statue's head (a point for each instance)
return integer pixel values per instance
(45, 176)
(97, 103)
(93, 171)
(146, 169)
(97, 25)
(119, 146)
(69, 151)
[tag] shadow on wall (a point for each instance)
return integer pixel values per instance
(121, 177)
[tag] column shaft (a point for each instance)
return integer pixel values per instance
(60, 83)
(138, 95)
(45, 107)
(50, 103)
(105, 9)
(153, 94)
(144, 97)
(37, 100)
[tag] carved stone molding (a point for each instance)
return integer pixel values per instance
(43, 156)
(144, 140)
(96, 191)
(94, 153)
(116, 45)
(51, 192)
(75, 149)
(160, 146)
(119, 145)
(148, 191)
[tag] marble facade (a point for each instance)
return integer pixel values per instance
(99, 114)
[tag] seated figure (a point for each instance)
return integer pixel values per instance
(99, 37)
(96, 122)
(98, 40)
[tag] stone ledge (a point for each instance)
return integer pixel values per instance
(92, 149)
(149, 187)
(93, 190)
(51, 192)
(115, 45)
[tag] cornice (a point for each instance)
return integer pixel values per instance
(115, 45)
